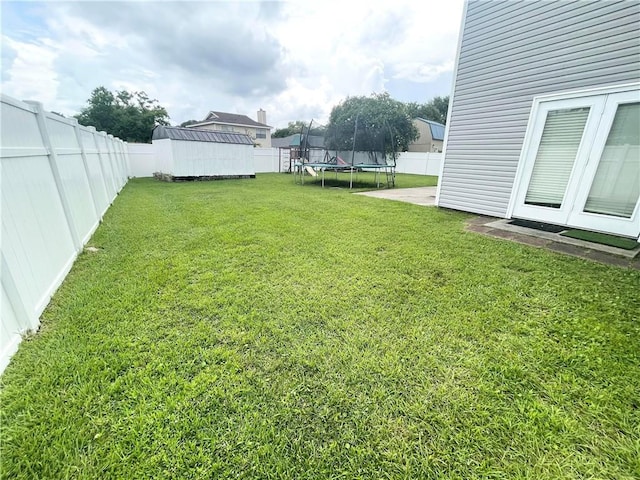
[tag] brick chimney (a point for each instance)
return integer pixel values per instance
(262, 116)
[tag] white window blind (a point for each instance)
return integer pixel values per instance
(556, 155)
(616, 185)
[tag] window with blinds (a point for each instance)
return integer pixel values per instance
(616, 185)
(556, 155)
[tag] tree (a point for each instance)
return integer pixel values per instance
(297, 127)
(383, 125)
(189, 122)
(436, 109)
(441, 104)
(130, 116)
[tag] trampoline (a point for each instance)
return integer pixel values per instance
(321, 168)
(366, 147)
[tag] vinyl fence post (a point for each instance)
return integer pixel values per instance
(53, 162)
(85, 162)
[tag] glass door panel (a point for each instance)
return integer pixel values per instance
(556, 156)
(609, 188)
(580, 165)
(560, 138)
(616, 184)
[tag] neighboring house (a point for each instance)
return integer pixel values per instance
(259, 131)
(544, 119)
(187, 153)
(286, 142)
(431, 136)
(315, 141)
(292, 142)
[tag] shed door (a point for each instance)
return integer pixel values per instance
(582, 167)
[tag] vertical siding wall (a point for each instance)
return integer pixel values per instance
(194, 159)
(510, 52)
(57, 180)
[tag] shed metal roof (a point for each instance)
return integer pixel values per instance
(195, 135)
(437, 129)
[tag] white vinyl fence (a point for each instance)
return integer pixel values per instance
(142, 162)
(58, 179)
(419, 163)
(266, 160)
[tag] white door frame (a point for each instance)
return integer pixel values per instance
(560, 215)
(575, 191)
(598, 221)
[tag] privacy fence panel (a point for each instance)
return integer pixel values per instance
(57, 179)
(95, 170)
(105, 160)
(266, 160)
(73, 174)
(142, 160)
(419, 163)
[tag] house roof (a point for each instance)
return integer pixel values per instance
(229, 119)
(315, 141)
(195, 135)
(283, 142)
(437, 129)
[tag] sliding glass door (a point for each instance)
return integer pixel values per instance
(581, 167)
(609, 199)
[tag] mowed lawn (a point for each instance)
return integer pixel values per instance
(263, 329)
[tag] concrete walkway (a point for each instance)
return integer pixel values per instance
(425, 196)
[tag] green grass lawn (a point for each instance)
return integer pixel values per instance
(262, 329)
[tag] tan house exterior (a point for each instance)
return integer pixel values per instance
(431, 136)
(258, 131)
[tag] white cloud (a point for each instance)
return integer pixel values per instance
(294, 59)
(31, 75)
(420, 72)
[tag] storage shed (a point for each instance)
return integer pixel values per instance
(187, 154)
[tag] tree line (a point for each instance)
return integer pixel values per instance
(130, 116)
(375, 123)
(364, 122)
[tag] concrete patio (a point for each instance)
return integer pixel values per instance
(425, 196)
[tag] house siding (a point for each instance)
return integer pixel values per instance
(511, 52)
(424, 142)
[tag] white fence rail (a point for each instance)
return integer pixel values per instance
(58, 179)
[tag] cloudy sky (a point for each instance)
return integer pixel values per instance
(295, 59)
